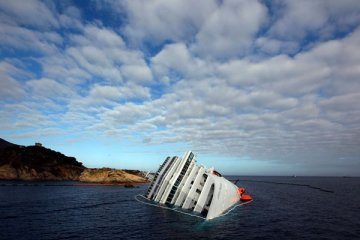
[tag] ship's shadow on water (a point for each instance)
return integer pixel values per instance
(283, 208)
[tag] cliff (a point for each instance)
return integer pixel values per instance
(113, 176)
(36, 163)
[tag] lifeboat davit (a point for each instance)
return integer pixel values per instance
(241, 190)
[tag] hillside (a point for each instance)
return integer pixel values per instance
(36, 163)
(40, 164)
(5, 144)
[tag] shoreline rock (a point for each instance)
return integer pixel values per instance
(111, 176)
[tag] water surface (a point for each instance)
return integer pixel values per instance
(303, 208)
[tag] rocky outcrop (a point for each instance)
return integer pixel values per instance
(113, 176)
(37, 163)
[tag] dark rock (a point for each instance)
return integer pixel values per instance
(129, 186)
(5, 144)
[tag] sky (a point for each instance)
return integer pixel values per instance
(252, 87)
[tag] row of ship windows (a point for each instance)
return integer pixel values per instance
(179, 179)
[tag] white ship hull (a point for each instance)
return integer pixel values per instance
(182, 183)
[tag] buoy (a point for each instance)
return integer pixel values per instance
(245, 198)
(241, 190)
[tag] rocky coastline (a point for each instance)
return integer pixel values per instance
(37, 163)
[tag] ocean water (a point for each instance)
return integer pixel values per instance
(283, 208)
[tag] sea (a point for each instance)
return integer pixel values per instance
(282, 208)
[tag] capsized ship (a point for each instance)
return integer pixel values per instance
(182, 183)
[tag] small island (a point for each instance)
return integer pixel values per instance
(38, 163)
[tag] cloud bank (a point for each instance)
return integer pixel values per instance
(271, 83)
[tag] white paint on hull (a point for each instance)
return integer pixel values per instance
(183, 183)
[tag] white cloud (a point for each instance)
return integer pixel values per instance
(273, 108)
(20, 38)
(140, 73)
(26, 116)
(93, 61)
(229, 31)
(116, 93)
(50, 89)
(126, 114)
(71, 18)
(98, 36)
(102, 52)
(294, 25)
(176, 61)
(225, 77)
(219, 30)
(342, 103)
(44, 132)
(274, 46)
(28, 13)
(65, 69)
(323, 18)
(160, 20)
(10, 89)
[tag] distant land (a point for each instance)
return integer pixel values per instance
(38, 163)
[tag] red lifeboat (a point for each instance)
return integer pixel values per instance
(245, 198)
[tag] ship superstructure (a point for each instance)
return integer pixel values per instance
(182, 183)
